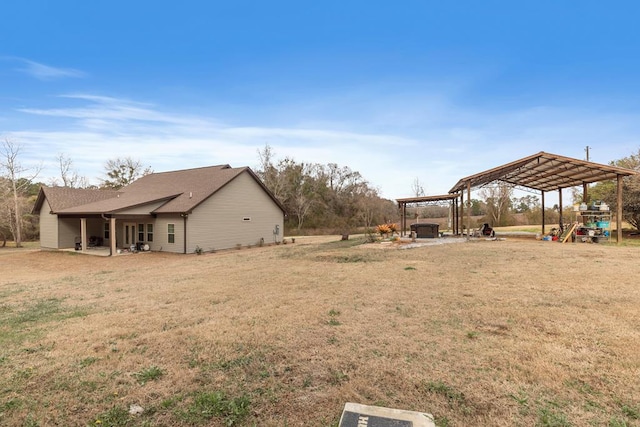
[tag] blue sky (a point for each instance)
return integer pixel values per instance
(395, 90)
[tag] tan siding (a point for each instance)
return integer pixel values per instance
(218, 222)
(160, 242)
(48, 227)
(68, 230)
(95, 227)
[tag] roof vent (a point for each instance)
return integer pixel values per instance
(190, 194)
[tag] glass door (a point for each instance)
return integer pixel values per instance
(129, 234)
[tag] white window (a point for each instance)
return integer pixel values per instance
(171, 233)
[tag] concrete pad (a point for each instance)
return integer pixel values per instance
(357, 415)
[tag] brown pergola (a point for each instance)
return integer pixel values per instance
(546, 172)
(450, 199)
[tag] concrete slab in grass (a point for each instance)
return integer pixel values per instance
(356, 415)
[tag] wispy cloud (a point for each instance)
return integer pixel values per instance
(45, 72)
(91, 129)
(109, 110)
(90, 124)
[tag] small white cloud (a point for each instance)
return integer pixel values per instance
(46, 72)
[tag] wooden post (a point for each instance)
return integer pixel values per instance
(452, 216)
(619, 210)
(462, 210)
(455, 215)
(404, 219)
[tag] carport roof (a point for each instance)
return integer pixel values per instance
(545, 172)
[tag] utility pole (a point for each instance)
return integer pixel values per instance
(587, 150)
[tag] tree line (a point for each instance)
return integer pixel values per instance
(319, 197)
(329, 198)
(325, 197)
(19, 187)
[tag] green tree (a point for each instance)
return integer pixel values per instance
(630, 190)
(607, 190)
(525, 204)
(478, 207)
(122, 172)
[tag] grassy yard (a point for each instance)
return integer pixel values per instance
(496, 333)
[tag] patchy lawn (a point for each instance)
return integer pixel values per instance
(500, 333)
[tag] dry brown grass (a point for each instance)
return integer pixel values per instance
(499, 333)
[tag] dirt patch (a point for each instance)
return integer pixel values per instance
(482, 332)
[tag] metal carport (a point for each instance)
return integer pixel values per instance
(546, 172)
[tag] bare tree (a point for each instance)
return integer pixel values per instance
(17, 181)
(498, 202)
(417, 189)
(368, 204)
(271, 175)
(68, 175)
(122, 172)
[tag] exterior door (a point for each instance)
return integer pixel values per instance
(130, 234)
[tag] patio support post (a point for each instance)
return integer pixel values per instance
(619, 210)
(83, 234)
(455, 216)
(112, 235)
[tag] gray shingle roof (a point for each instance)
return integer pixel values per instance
(61, 198)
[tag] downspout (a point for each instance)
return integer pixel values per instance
(184, 218)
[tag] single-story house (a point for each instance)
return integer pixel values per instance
(210, 208)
